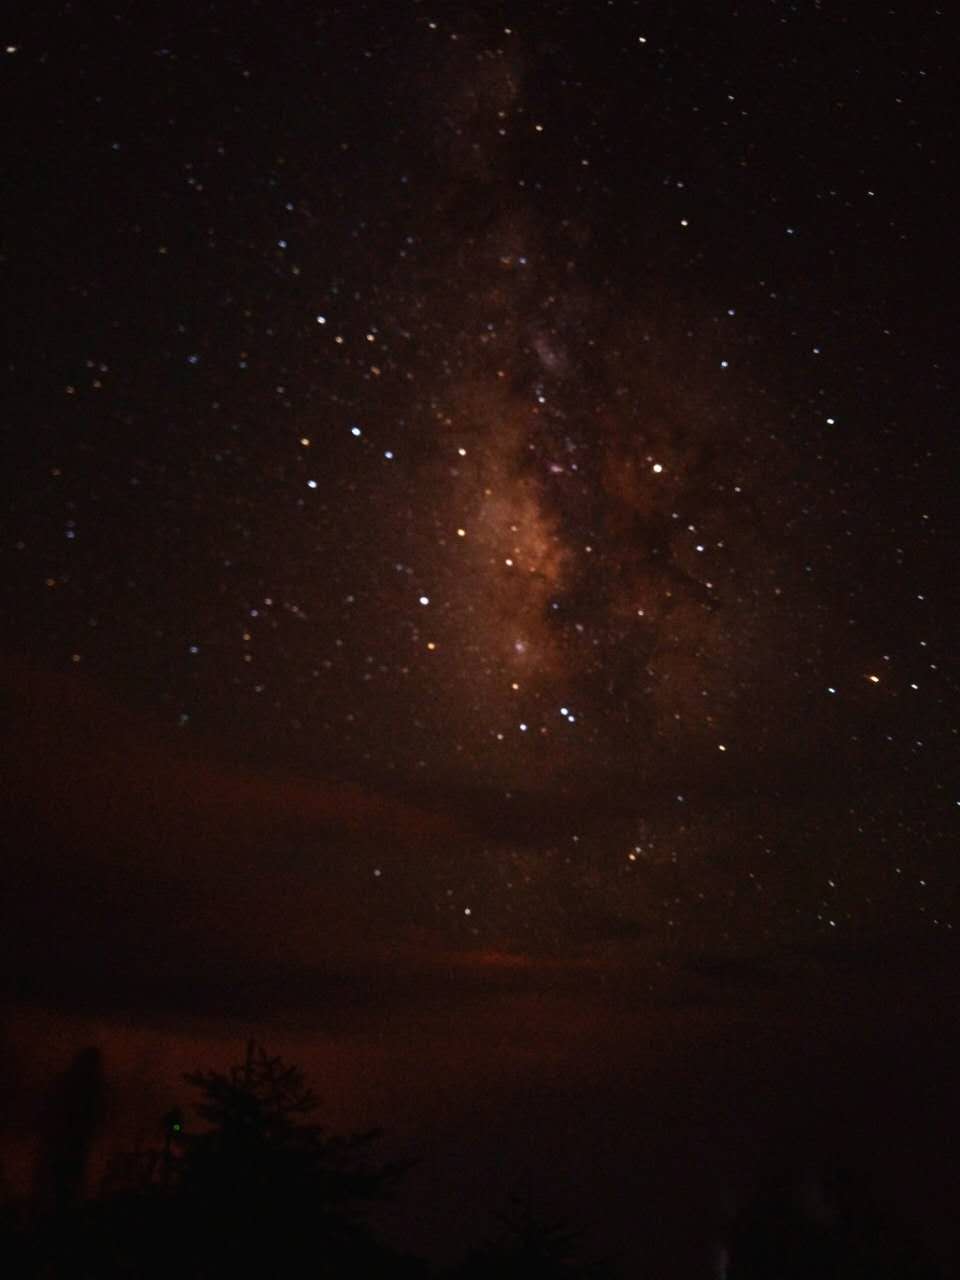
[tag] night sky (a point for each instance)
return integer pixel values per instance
(482, 491)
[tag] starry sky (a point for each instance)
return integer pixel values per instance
(483, 482)
(479, 585)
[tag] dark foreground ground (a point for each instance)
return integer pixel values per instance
(649, 1113)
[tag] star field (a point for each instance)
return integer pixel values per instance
(539, 415)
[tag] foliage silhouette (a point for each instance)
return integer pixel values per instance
(247, 1182)
(260, 1141)
(530, 1246)
(72, 1117)
(253, 1187)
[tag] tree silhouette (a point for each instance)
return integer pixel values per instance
(530, 1246)
(54, 1228)
(256, 1184)
(72, 1117)
(13, 1237)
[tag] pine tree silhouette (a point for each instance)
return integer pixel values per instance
(256, 1184)
(531, 1246)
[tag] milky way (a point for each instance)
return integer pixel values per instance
(456, 421)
